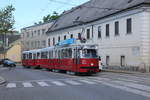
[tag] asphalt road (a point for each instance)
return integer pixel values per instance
(33, 84)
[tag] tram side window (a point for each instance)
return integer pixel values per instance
(27, 56)
(62, 53)
(30, 55)
(38, 55)
(56, 55)
(66, 53)
(34, 56)
(51, 54)
(59, 54)
(24, 56)
(69, 51)
(44, 55)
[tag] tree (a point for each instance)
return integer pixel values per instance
(6, 22)
(49, 17)
(6, 19)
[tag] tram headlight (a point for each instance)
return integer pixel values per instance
(92, 64)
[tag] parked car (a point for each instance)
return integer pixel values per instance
(8, 63)
(2, 60)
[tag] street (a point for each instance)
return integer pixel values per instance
(40, 84)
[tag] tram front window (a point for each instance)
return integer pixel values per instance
(89, 53)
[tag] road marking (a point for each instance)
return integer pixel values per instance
(58, 83)
(43, 84)
(127, 89)
(133, 85)
(88, 82)
(99, 78)
(128, 80)
(11, 85)
(72, 82)
(27, 84)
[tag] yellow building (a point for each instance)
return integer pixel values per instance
(13, 52)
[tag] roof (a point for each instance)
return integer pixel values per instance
(11, 39)
(35, 25)
(92, 11)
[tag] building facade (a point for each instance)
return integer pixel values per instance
(122, 31)
(34, 37)
(13, 49)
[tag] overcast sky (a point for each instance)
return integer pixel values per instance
(29, 11)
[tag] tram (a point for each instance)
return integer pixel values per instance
(70, 55)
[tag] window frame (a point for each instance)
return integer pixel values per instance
(107, 30)
(129, 25)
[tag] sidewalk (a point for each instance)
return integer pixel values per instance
(125, 72)
(2, 80)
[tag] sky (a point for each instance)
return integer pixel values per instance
(30, 11)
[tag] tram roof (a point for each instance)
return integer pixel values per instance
(32, 51)
(46, 49)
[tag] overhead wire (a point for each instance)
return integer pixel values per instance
(66, 3)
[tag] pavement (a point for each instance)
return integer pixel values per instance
(2, 80)
(34, 84)
(124, 71)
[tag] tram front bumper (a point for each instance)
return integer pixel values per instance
(89, 69)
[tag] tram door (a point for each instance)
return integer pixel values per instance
(34, 59)
(76, 59)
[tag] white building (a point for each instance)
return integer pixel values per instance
(34, 37)
(121, 28)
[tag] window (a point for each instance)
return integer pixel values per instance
(107, 60)
(116, 28)
(71, 36)
(35, 44)
(43, 31)
(99, 32)
(32, 34)
(59, 39)
(30, 55)
(27, 43)
(43, 43)
(44, 55)
(32, 43)
(88, 33)
(79, 36)
(65, 37)
(49, 40)
(122, 60)
(35, 33)
(129, 26)
(53, 41)
(38, 44)
(38, 32)
(107, 30)
(27, 34)
(38, 55)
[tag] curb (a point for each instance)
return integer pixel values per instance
(121, 71)
(2, 80)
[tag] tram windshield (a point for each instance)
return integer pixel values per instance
(89, 53)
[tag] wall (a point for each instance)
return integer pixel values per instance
(14, 53)
(31, 42)
(132, 46)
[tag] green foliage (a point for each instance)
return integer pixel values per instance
(6, 19)
(49, 17)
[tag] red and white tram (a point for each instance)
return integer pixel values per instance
(68, 56)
